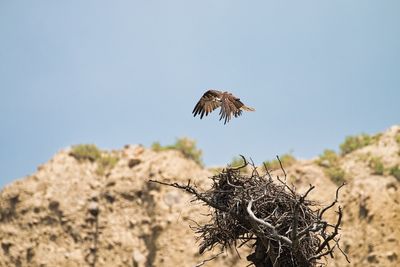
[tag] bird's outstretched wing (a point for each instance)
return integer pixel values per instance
(207, 103)
(230, 105)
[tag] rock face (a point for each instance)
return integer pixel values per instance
(371, 202)
(67, 214)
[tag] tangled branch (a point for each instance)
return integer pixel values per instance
(285, 228)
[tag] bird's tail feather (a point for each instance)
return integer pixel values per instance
(246, 108)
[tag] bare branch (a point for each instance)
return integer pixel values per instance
(333, 234)
(283, 169)
(209, 259)
(275, 234)
(303, 197)
(333, 203)
(192, 191)
(245, 163)
(344, 253)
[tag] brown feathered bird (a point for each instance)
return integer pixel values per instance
(212, 99)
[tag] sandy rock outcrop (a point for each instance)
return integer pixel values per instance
(371, 222)
(67, 214)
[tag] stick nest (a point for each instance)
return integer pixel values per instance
(283, 227)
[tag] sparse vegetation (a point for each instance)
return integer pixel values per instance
(185, 145)
(398, 138)
(376, 137)
(395, 171)
(86, 152)
(286, 159)
(364, 157)
(328, 159)
(91, 153)
(106, 162)
(377, 166)
(156, 146)
(352, 143)
(336, 174)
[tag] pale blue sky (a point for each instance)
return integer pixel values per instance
(128, 72)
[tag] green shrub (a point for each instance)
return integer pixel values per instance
(352, 143)
(188, 148)
(185, 145)
(328, 159)
(336, 174)
(398, 138)
(85, 152)
(156, 146)
(395, 171)
(93, 154)
(286, 159)
(106, 162)
(377, 166)
(375, 138)
(398, 141)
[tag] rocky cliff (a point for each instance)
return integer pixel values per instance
(75, 212)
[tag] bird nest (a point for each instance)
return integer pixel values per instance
(283, 227)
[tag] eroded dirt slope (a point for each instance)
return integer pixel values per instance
(48, 219)
(67, 214)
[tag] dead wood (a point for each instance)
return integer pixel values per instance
(282, 225)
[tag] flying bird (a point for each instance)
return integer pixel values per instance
(212, 99)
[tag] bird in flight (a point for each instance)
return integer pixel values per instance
(212, 99)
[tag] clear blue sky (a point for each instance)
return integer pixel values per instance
(128, 72)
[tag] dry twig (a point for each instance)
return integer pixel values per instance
(287, 229)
